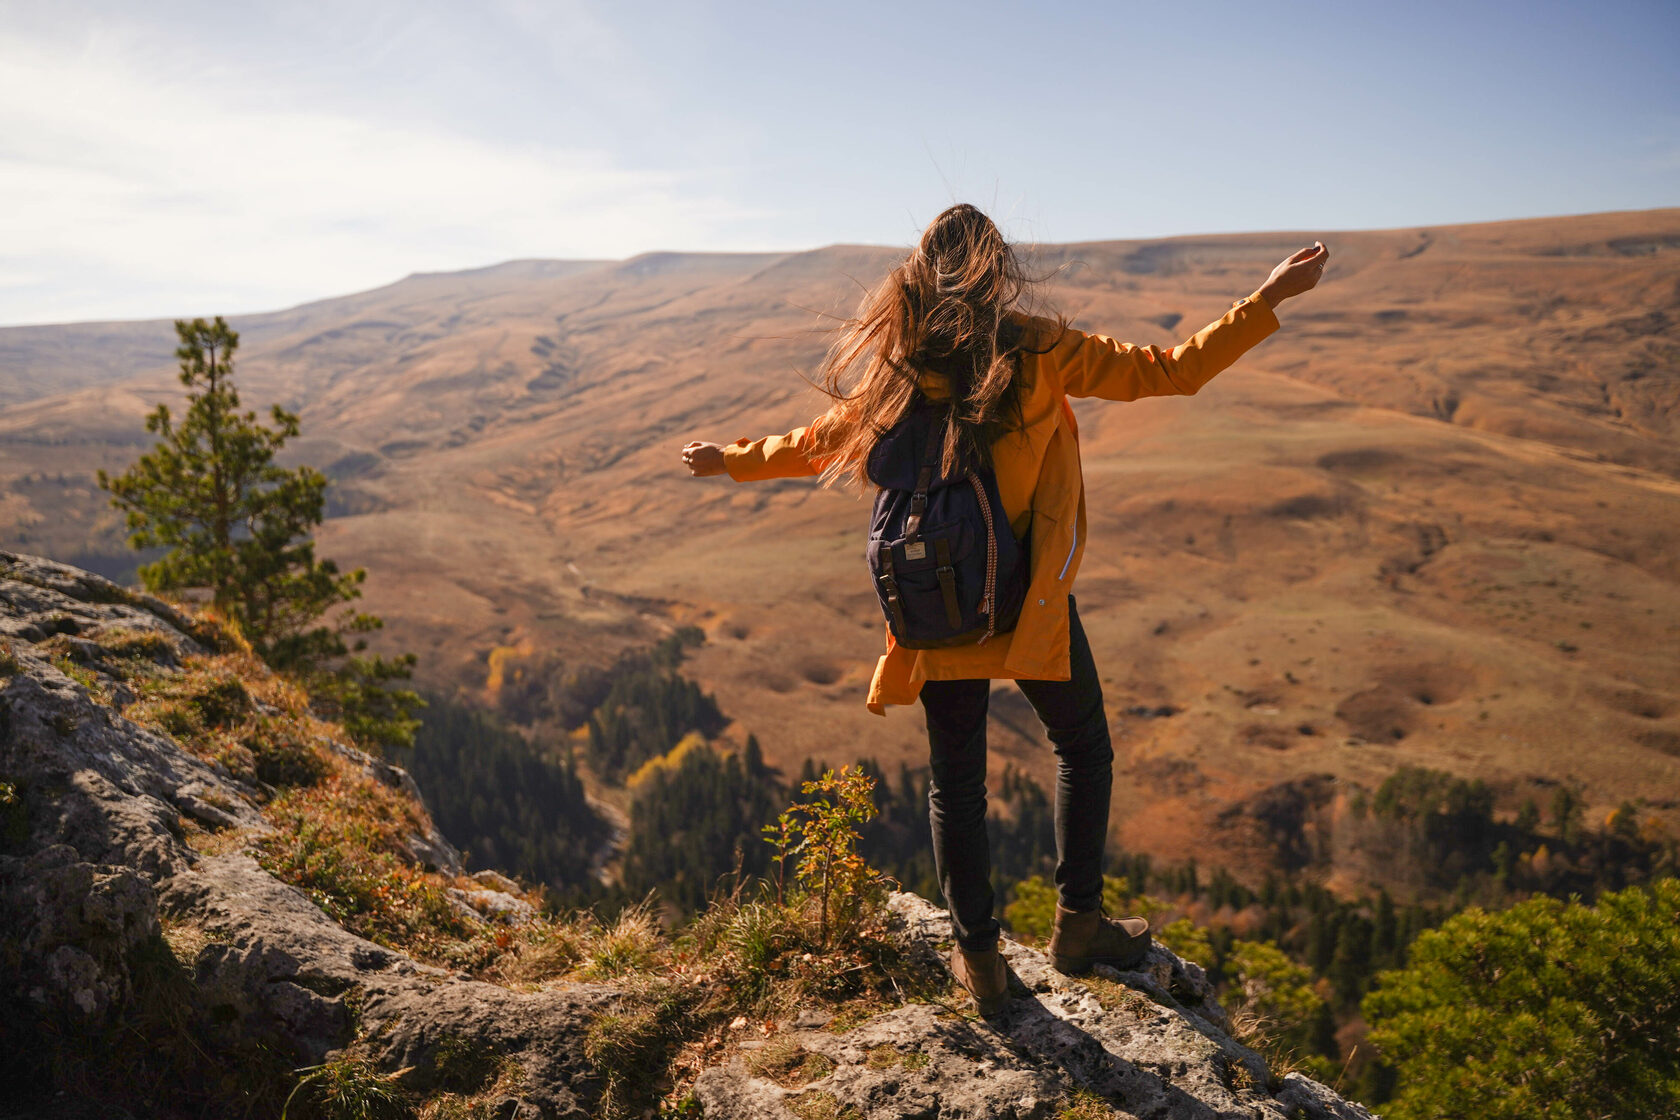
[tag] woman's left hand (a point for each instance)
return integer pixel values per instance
(703, 459)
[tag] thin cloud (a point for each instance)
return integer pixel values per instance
(118, 186)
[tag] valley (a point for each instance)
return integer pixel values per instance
(1433, 521)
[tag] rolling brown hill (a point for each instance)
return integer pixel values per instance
(1433, 520)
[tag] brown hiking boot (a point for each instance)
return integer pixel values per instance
(984, 975)
(1083, 938)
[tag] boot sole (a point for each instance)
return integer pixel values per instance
(1078, 966)
(991, 1005)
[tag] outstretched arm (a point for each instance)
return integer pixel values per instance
(784, 456)
(1094, 365)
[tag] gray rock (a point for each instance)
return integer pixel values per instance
(496, 881)
(40, 597)
(74, 925)
(105, 857)
(497, 905)
(1150, 1043)
(449, 1036)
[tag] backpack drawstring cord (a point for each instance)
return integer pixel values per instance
(987, 601)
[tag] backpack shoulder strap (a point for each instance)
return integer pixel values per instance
(918, 502)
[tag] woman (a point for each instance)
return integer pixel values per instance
(947, 325)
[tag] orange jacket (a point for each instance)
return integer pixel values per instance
(1039, 481)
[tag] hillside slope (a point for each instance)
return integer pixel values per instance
(140, 897)
(1432, 521)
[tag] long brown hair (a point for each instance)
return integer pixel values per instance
(946, 309)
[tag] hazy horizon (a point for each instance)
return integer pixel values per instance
(333, 295)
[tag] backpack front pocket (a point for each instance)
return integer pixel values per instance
(930, 584)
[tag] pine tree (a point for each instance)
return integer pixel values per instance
(1549, 1010)
(1385, 931)
(1566, 812)
(237, 524)
(753, 758)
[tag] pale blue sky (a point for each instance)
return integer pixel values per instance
(179, 158)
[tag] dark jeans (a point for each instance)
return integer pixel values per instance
(1072, 713)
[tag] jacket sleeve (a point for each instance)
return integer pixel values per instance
(784, 456)
(1094, 365)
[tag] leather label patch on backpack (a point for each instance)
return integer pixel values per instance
(915, 551)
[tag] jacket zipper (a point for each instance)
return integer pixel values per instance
(1071, 547)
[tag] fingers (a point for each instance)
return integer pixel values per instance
(702, 459)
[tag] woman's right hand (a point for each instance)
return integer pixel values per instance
(703, 459)
(1297, 274)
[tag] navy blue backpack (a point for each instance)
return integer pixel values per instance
(947, 567)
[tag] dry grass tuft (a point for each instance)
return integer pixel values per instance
(784, 1061)
(815, 1104)
(348, 1088)
(630, 945)
(485, 1103)
(1259, 1033)
(341, 841)
(1082, 1104)
(185, 940)
(1118, 997)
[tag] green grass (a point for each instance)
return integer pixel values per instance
(347, 1088)
(147, 645)
(460, 1065)
(1082, 1104)
(886, 1056)
(850, 1017)
(631, 1048)
(87, 678)
(221, 701)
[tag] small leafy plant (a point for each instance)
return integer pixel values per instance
(821, 835)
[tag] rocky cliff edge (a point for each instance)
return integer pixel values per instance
(136, 912)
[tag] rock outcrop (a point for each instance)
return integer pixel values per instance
(1149, 1043)
(96, 868)
(101, 854)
